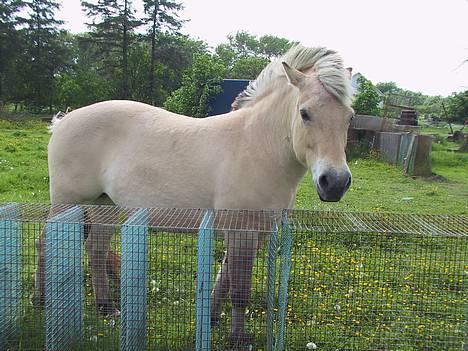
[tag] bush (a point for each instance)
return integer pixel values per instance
(367, 100)
(200, 84)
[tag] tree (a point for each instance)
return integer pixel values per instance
(45, 52)
(271, 46)
(367, 100)
(174, 56)
(200, 84)
(9, 38)
(243, 44)
(247, 68)
(226, 54)
(388, 88)
(457, 107)
(80, 88)
(246, 55)
(113, 32)
(432, 106)
(161, 14)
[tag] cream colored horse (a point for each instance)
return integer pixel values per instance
(293, 118)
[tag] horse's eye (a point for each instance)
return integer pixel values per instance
(305, 116)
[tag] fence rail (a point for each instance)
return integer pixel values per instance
(336, 280)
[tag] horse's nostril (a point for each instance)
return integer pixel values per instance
(323, 181)
(348, 183)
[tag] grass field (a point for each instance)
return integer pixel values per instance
(348, 291)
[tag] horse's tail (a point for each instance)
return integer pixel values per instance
(57, 119)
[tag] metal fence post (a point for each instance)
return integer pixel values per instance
(10, 273)
(64, 279)
(133, 288)
(204, 276)
(285, 269)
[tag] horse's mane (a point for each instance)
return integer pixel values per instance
(327, 63)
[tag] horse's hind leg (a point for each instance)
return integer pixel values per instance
(220, 291)
(241, 255)
(97, 246)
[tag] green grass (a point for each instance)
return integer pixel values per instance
(390, 289)
(23, 161)
(380, 187)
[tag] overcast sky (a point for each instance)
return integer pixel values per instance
(419, 44)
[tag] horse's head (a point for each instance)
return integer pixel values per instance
(319, 132)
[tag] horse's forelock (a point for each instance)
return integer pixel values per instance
(327, 64)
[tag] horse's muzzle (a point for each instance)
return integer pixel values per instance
(331, 185)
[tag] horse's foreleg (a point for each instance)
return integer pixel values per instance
(241, 256)
(220, 291)
(97, 246)
(113, 267)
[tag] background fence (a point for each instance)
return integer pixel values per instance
(399, 145)
(356, 281)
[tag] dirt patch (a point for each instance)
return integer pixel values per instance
(436, 178)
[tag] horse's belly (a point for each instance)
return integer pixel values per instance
(147, 185)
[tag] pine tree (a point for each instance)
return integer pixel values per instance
(113, 28)
(44, 54)
(161, 15)
(9, 48)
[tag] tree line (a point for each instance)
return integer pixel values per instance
(377, 99)
(122, 56)
(126, 55)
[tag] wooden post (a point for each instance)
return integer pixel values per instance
(422, 165)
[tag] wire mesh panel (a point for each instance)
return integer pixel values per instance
(377, 282)
(134, 270)
(10, 274)
(64, 280)
(204, 284)
(356, 281)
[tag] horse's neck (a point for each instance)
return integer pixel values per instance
(270, 126)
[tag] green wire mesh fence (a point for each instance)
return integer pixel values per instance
(320, 280)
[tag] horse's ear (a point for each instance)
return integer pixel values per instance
(295, 77)
(350, 72)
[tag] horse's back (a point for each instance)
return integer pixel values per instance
(135, 153)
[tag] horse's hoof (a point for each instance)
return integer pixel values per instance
(241, 342)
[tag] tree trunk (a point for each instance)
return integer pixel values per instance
(1, 72)
(153, 52)
(125, 53)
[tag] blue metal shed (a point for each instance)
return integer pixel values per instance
(231, 88)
